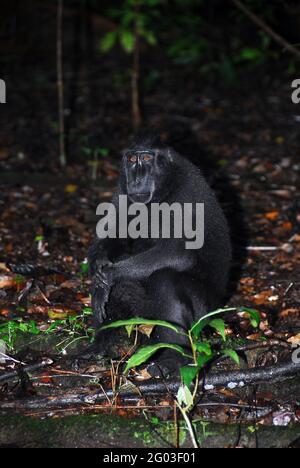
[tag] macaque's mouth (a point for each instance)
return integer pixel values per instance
(140, 197)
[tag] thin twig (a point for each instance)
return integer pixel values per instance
(262, 249)
(189, 425)
(60, 83)
(268, 30)
(136, 109)
(6, 357)
(262, 345)
(288, 289)
(43, 295)
(176, 428)
(29, 368)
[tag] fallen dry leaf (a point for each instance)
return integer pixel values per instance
(295, 340)
(142, 374)
(60, 314)
(247, 281)
(4, 154)
(254, 337)
(70, 284)
(287, 226)
(265, 297)
(7, 282)
(3, 267)
(273, 215)
(146, 329)
(287, 312)
(71, 188)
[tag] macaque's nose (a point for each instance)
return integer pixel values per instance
(139, 172)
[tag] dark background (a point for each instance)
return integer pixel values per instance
(194, 54)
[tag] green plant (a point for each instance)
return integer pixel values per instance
(201, 353)
(135, 20)
(201, 350)
(73, 328)
(84, 269)
(128, 16)
(94, 158)
(9, 331)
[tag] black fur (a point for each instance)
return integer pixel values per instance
(159, 278)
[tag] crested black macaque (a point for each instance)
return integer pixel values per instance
(160, 278)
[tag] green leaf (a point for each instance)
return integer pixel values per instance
(184, 396)
(188, 374)
(103, 152)
(129, 329)
(84, 267)
(19, 279)
(54, 326)
(128, 18)
(198, 327)
(251, 54)
(203, 359)
(87, 151)
(32, 328)
(232, 355)
(127, 40)
(143, 354)
(150, 37)
(255, 318)
(204, 348)
(141, 321)
(108, 41)
(23, 327)
(152, 3)
(155, 421)
(220, 326)
(87, 311)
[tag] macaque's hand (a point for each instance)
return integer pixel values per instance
(100, 296)
(109, 275)
(102, 263)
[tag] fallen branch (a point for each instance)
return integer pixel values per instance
(25, 369)
(265, 27)
(60, 83)
(234, 379)
(262, 345)
(30, 270)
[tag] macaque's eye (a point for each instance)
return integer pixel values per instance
(146, 157)
(132, 158)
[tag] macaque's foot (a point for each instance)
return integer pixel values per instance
(167, 365)
(103, 343)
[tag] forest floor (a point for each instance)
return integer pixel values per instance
(247, 142)
(49, 220)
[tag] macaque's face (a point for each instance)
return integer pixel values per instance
(147, 173)
(140, 175)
